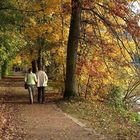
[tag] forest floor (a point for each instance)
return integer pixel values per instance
(20, 120)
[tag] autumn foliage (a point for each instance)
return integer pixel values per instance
(108, 43)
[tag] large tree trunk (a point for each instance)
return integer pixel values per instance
(70, 82)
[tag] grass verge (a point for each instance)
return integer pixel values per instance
(113, 123)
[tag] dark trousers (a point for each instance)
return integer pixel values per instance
(41, 94)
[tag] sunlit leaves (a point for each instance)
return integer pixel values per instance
(108, 39)
(108, 30)
(10, 45)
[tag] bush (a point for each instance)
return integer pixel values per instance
(115, 96)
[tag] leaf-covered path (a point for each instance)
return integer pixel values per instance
(22, 121)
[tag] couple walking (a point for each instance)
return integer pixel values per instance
(41, 79)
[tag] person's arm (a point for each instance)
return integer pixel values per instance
(46, 77)
(36, 75)
(35, 78)
(25, 78)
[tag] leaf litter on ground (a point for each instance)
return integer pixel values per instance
(102, 118)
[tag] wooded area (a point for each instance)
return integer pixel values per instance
(90, 48)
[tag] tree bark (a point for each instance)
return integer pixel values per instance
(70, 82)
(4, 69)
(40, 58)
(34, 66)
(40, 53)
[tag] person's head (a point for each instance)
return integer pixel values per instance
(29, 70)
(41, 68)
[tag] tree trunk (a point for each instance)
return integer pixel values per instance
(34, 66)
(0, 72)
(40, 58)
(4, 69)
(70, 82)
(40, 53)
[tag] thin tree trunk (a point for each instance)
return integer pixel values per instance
(70, 82)
(34, 66)
(40, 58)
(40, 42)
(0, 72)
(4, 69)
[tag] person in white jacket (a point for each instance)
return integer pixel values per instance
(42, 80)
(30, 79)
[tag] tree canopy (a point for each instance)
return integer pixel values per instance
(102, 54)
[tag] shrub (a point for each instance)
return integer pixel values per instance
(115, 96)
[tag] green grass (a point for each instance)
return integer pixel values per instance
(115, 124)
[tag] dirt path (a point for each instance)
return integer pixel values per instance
(37, 121)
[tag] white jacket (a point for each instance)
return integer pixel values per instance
(42, 79)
